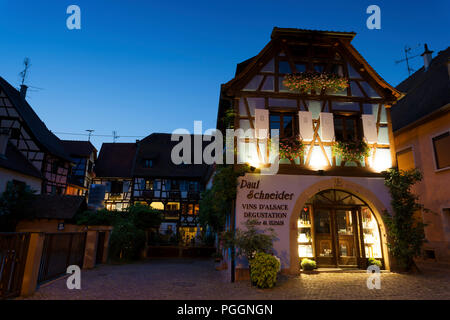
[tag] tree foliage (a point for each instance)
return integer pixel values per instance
(216, 202)
(145, 217)
(406, 233)
(14, 204)
(128, 236)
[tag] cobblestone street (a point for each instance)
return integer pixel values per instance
(197, 279)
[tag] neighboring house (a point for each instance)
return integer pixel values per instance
(173, 189)
(143, 172)
(15, 167)
(320, 206)
(83, 155)
(113, 171)
(29, 135)
(421, 123)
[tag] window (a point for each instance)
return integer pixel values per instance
(346, 127)
(148, 163)
(175, 185)
(149, 185)
(405, 159)
(55, 166)
(441, 146)
(172, 206)
(285, 122)
(15, 133)
(284, 67)
(116, 187)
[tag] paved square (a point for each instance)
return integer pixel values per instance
(197, 279)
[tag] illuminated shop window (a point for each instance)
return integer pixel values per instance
(304, 239)
(372, 242)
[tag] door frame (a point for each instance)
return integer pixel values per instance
(358, 239)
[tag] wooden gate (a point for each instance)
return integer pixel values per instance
(13, 255)
(100, 247)
(60, 251)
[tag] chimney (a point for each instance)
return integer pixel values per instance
(427, 57)
(23, 91)
(4, 137)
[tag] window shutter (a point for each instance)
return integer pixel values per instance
(326, 129)
(370, 128)
(305, 125)
(261, 123)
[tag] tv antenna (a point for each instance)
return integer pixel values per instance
(115, 136)
(407, 51)
(27, 65)
(89, 133)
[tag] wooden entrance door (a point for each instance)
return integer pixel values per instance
(324, 238)
(335, 236)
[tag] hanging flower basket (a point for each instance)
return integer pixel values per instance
(351, 150)
(306, 81)
(290, 148)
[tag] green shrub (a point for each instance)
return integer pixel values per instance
(375, 262)
(101, 217)
(264, 269)
(308, 264)
(127, 241)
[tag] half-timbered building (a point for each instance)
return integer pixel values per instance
(322, 206)
(113, 171)
(83, 155)
(143, 172)
(29, 135)
(173, 189)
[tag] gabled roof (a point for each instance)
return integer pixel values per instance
(75, 148)
(43, 136)
(14, 160)
(426, 92)
(54, 206)
(278, 34)
(158, 148)
(115, 160)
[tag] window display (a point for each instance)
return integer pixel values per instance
(372, 243)
(304, 238)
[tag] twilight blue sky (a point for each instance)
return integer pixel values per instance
(153, 66)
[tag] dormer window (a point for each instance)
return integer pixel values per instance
(148, 163)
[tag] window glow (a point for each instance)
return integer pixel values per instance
(382, 160)
(318, 160)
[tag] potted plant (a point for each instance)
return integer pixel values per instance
(290, 149)
(308, 264)
(264, 270)
(304, 82)
(352, 150)
(374, 262)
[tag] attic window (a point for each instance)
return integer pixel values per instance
(148, 163)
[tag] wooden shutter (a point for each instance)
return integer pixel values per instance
(326, 129)
(261, 123)
(305, 125)
(370, 128)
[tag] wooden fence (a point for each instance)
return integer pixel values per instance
(13, 255)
